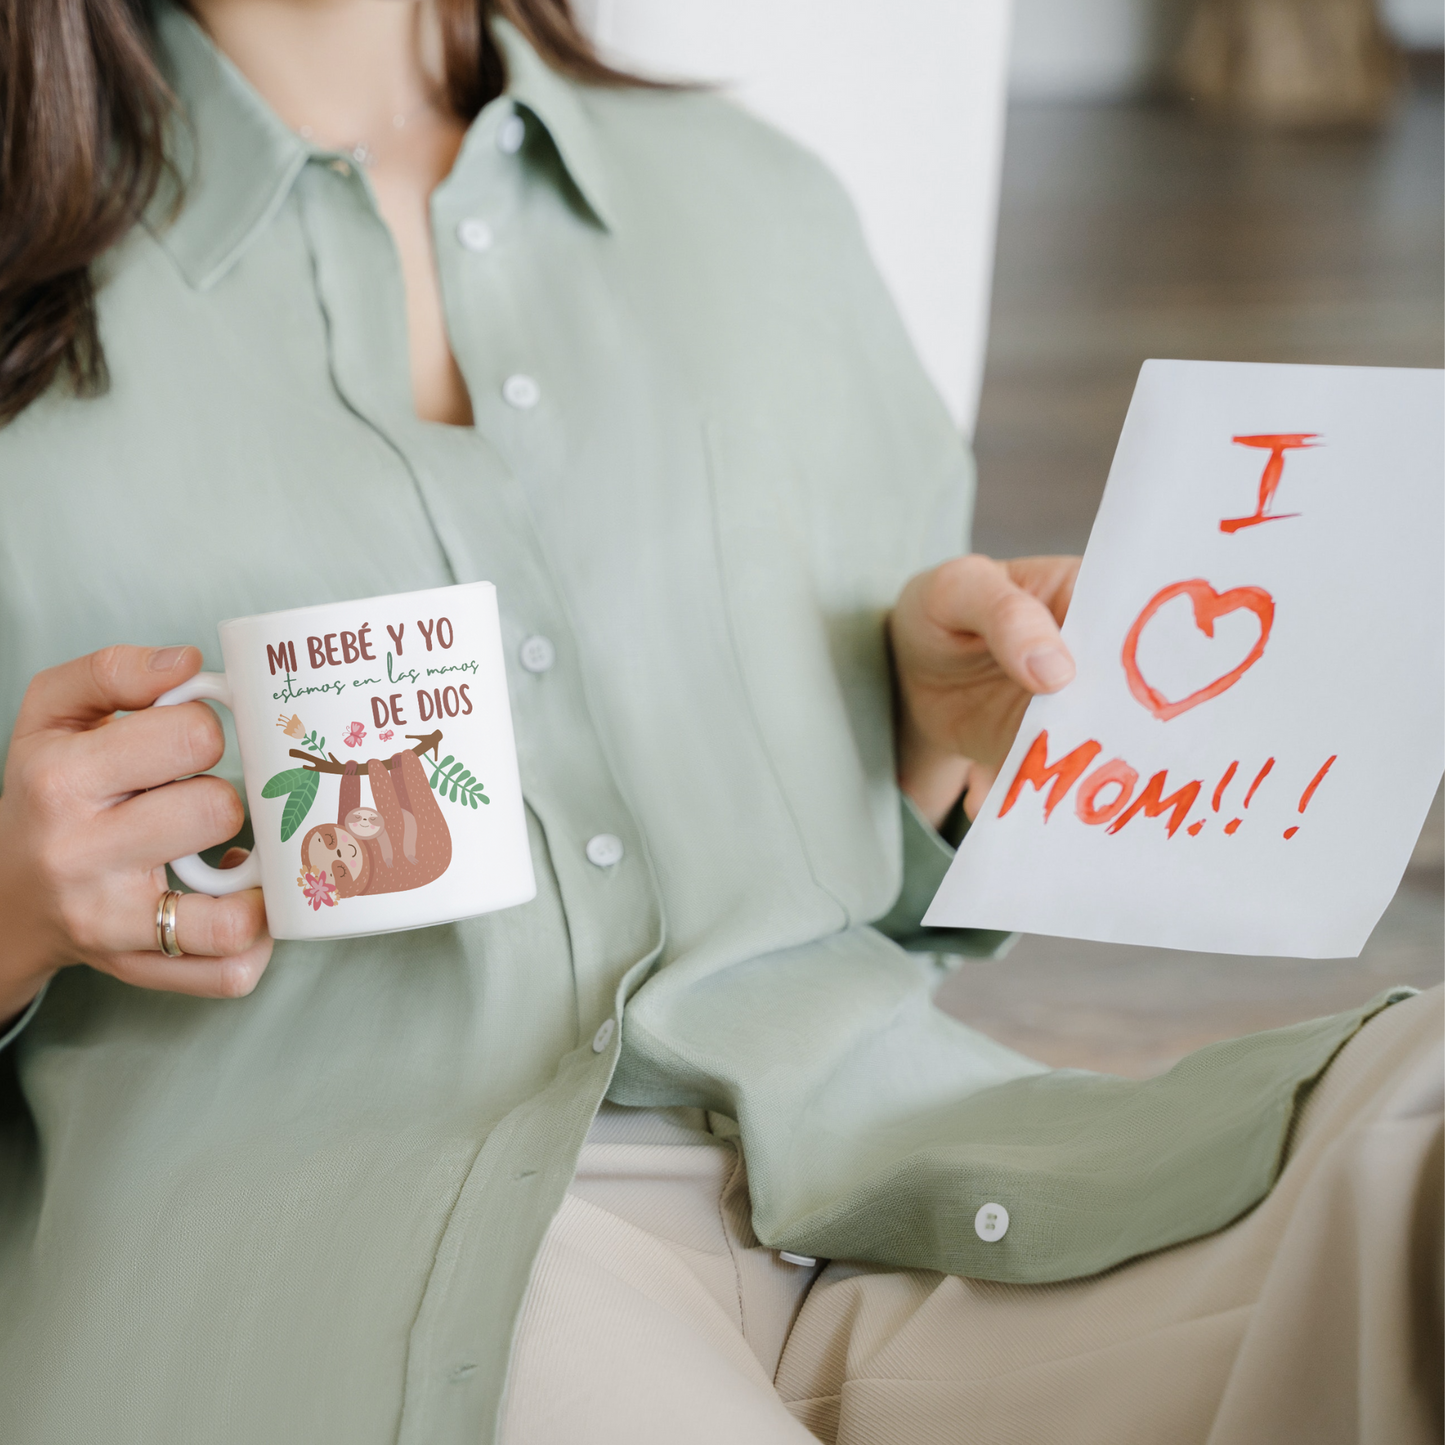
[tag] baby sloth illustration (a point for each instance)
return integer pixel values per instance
(367, 823)
(401, 843)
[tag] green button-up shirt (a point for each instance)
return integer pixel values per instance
(310, 1215)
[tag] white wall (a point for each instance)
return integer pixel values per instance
(905, 102)
(1103, 49)
(1089, 49)
(1418, 24)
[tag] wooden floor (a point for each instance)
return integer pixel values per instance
(1135, 231)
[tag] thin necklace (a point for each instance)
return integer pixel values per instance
(363, 152)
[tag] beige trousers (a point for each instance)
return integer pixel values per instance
(654, 1316)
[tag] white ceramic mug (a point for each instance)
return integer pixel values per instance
(380, 767)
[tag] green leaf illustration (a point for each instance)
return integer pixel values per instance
(301, 785)
(299, 804)
(454, 781)
(287, 782)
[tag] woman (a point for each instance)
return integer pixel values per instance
(312, 299)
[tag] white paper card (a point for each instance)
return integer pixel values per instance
(1249, 749)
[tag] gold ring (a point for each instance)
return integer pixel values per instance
(166, 925)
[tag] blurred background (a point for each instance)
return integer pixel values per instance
(1056, 190)
(1136, 221)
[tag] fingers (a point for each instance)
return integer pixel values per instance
(120, 678)
(1051, 579)
(978, 595)
(145, 750)
(79, 693)
(119, 918)
(980, 781)
(1057, 575)
(92, 841)
(219, 927)
(166, 823)
(200, 977)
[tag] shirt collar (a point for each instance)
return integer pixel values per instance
(557, 104)
(238, 161)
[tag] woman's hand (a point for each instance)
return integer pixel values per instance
(972, 640)
(83, 845)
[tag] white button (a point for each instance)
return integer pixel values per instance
(605, 849)
(991, 1223)
(788, 1257)
(521, 392)
(603, 1036)
(537, 653)
(475, 234)
(511, 135)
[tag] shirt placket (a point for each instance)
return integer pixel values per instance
(460, 1343)
(478, 511)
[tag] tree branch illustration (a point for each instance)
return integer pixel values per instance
(332, 764)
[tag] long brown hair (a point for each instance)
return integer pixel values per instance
(83, 115)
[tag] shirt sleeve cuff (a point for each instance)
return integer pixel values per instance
(927, 852)
(13, 1032)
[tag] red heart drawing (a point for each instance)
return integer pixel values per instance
(1208, 605)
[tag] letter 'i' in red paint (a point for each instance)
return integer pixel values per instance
(1277, 444)
(1233, 825)
(1224, 782)
(1309, 792)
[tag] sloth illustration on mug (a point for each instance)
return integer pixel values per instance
(400, 843)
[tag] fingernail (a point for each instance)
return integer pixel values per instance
(165, 658)
(1051, 668)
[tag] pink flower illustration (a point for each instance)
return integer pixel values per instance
(318, 889)
(355, 735)
(387, 736)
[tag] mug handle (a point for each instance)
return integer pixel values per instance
(191, 870)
